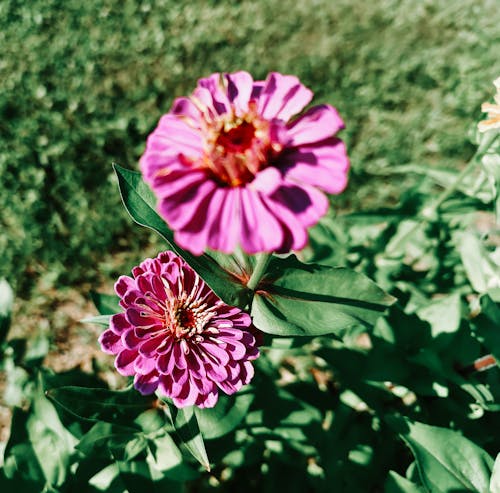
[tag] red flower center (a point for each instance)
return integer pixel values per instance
(238, 148)
(187, 319)
(237, 139)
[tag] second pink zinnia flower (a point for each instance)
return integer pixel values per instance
(177, 336)
(230, 165)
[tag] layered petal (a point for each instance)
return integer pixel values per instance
(176, 336)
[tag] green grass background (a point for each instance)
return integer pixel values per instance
(83, 83)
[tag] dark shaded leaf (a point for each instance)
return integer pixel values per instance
(114, 406)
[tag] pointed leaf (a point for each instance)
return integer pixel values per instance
(186, 425)
(446, 460)
(307, 299)
(141, 205)
(398, 484)
(98, 320)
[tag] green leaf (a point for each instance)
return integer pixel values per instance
(446, 460)
(398, 484)
(225, 416)
(310, 300)
(39, 448)
(114, 406)
(482, 267)
(444, 314)
(99, 320)
(186, 425)
(106, 304)
(108, 440)
(495, 477)
(141, 205)
(6, 302)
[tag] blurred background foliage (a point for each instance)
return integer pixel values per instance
(83, 83)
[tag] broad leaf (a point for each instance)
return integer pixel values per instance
(446, 460)
(311, 300)
(39, 448)
(141, 205)
(225, 416)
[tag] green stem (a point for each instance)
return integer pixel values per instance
(260, 268)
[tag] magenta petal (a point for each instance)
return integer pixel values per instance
(181, 209)
(260, 230)
(267, 181)
(216, 351)
(282, 97)
(124, 362)
(124, 284)
(172, 131)
(144, 366)
(151, 342)
(225, 223)
(213, 85)
(186, 108)
(316, 124)
(324, 165)
(239, 89)
(110, 342)
(141, 319)
(146, 384)
(307, 203)
(119, 323)
(208, 400)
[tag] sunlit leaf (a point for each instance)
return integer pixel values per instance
(309, 300)
(446, 460)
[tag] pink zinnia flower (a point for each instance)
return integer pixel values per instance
(177, 336)
(230, 165)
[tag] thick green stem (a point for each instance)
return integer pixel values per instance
(260, 268)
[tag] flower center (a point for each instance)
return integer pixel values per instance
(186, 318)
(237, 148)
(237, 139)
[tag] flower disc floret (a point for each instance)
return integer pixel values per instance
(233, 165)
(175, 336)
